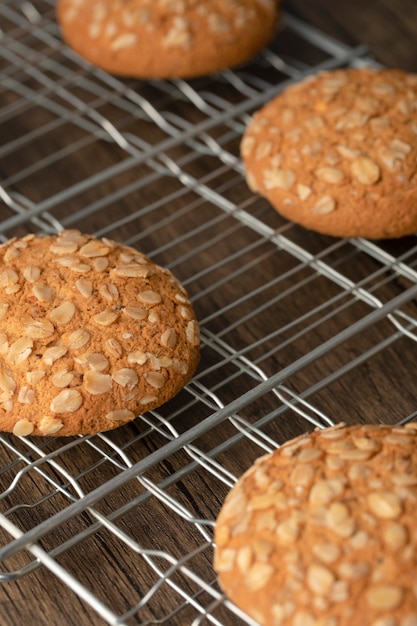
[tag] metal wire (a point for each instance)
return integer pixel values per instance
(163, 135)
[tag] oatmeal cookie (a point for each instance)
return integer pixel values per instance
(167, 38)
(322, 531)
(92, 333)
(337, 153)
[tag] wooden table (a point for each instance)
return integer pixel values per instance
(298, 330)
(387, 28)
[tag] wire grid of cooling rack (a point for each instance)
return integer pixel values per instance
(157, 166)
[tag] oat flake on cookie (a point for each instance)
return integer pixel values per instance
(322, 531)
(167, 38)
(337, 153)
(92, 333)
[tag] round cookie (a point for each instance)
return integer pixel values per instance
(92, 333)
(167, 38)
(322, 531)
(337, 153)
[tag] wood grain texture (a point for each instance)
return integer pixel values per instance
(389, 29)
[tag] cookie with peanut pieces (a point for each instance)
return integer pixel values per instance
(337, 153)
(92, 333)
(167, 38)
(321, 532)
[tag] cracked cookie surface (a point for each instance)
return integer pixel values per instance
(337, 153)
(167, 38)
(92, 333)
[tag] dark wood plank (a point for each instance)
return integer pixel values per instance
(389, 29)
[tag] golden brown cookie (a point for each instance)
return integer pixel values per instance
(167, 38)
(337, 153)
(92, 333)
(322, 531)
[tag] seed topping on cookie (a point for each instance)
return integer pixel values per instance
(337, 153)
(167, 39)
(117, 333)
(303, 540)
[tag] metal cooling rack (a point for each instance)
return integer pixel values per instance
(160, 158)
